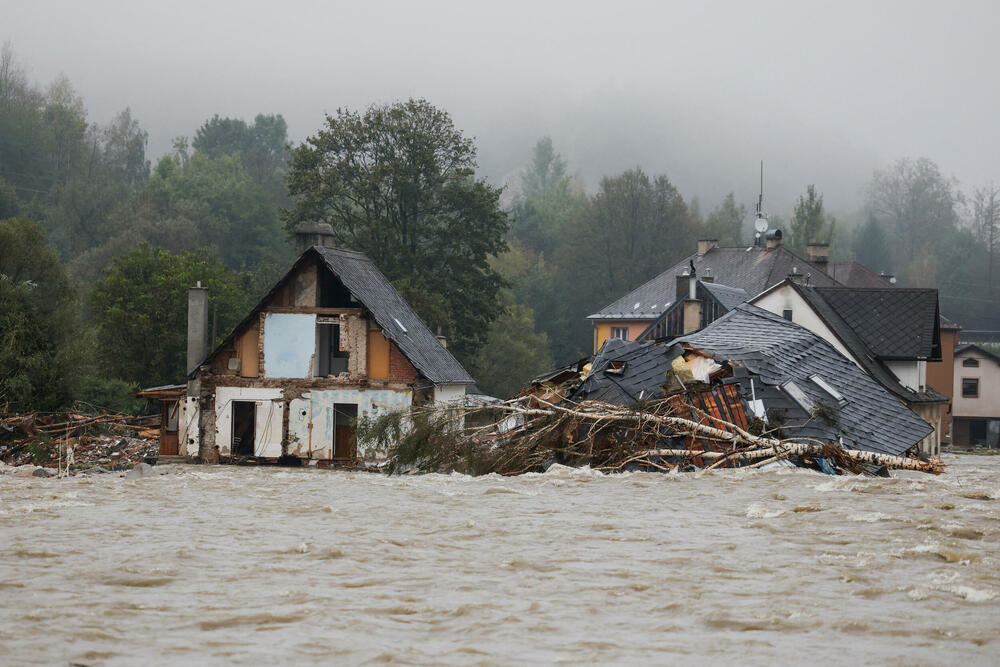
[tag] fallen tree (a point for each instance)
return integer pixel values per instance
(528, 433)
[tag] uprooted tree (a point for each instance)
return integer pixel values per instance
(528, 433)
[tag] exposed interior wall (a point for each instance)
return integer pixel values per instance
(354, 339)
(401, 371)
(306, 287)
(289, 344)
(247, 351)
(268, 420)
(311, 417)
(377, 355)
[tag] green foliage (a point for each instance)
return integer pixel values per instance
(631, 230)
(41, 350)
(111, 396)
(810, 224)
(140, 309)
(261, 146)
(725, 222)
(870, 246)
(398, 183)
(512, 354)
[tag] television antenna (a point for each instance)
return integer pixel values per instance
(760, 222)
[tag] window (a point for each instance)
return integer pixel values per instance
(798, 395)
(825, 386)
(970, 387)
(970, 363)
(331, 360)
(620, 333)
(787, 314)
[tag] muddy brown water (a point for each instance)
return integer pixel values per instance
(222, 565)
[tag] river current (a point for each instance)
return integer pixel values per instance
(222, 565)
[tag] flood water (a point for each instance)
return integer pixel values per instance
(221, 565)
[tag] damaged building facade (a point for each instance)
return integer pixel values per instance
(330, 343)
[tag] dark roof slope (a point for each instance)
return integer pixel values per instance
(893, 322)
(752, 269)
(778, 350)
(728, 297)
(971, 347)
(643, 367)
(853, 341)
(856, 274)
(394, 315)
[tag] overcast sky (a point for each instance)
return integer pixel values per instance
(823, 92)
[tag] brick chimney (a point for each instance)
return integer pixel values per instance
(772, 239)
(308, 234)
(704, 245)
(197, 328)
(692, 306)
(819, 255)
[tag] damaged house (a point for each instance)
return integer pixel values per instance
(331, 342)
(762, 367)
(892, 333)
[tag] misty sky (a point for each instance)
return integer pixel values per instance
(823, 92)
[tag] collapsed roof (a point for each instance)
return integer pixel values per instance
(787, 375)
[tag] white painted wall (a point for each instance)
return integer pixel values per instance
(449, 393)
(270, 412)
(909, 373)
(316, 408)
(785, 298)
(988, 373)
(289, 345)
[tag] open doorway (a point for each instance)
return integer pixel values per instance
(345, 421)
(244, 419)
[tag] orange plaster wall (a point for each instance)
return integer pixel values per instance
(602, 330)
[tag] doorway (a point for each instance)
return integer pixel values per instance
(345, 421)
(244, 420)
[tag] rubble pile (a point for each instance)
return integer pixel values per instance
(109, 441)
(529, 433)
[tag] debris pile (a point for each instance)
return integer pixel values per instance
(668, 434)
(81, 440)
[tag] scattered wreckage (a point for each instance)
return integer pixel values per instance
(76, 440)
(750, 390)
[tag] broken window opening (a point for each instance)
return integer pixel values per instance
(244, 428)
(332, 293)
(330, 360)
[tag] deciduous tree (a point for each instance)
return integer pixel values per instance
(398, 183)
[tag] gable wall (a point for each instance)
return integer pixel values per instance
(785, 298)
(988, 374)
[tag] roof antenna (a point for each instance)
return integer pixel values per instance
(760, 223)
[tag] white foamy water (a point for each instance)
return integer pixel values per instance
(222, 565)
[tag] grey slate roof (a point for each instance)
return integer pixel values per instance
(856, 274)
(853, 341)
(752, 269)
(777, 350)
(645, 371)
(400, 324)
(728, 297)
(893, 322)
